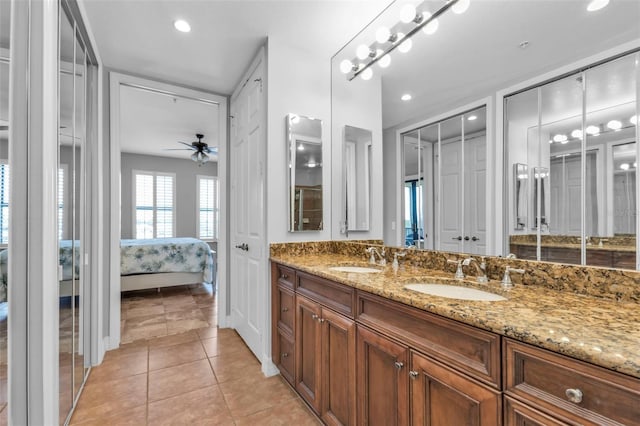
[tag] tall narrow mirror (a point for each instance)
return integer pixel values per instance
(5, 12)
(357, 177)
(304, 137)
(521, 194)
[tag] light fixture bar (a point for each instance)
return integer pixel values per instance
(417, 28)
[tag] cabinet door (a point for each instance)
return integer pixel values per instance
(285, 358)
(338, 369)
(308, 341)
(517, 414)
(441, 396)
(381, 379)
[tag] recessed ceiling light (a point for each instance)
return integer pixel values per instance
(300, 147)
(472, 117)
(614, 125)
(597, 5)
(406, 97)
(182, 26)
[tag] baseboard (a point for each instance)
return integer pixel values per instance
(269, 368)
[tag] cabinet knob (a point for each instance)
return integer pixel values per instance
(284, 276)
(314, 316)
(321, 320)
(413, 374)
(285, 309)
(399, 365)
(284, 355)
(574, 395)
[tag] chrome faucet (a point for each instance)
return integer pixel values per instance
(381, 254)
(395, 265)
(481, 268)
(506, 279)
(459, 274)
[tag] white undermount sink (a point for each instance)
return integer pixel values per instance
(356, 269)
(455, 292)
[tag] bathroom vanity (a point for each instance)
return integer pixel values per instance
(360, 348)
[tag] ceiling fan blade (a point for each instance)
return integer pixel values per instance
(187, 144)
(177, 149)
(211, 150)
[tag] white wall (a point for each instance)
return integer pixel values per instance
(186, 172)
(299, 83)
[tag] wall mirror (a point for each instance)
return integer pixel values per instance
(304, 138)
(357, 177)
(422, 84)
(579, 135)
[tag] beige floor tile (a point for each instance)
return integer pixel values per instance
(193, 313)
(145, 321)
(293, 412)
(133, 417)
(180, 326)
(131, 334)
(127, 349)
(223, 344)
(123, 366)
(234, 366)
(104, 398)
(201, 407)
(252, 394)
(180, 379)
(207, 332)
(175, 339)
(143, 311)
(174, 355)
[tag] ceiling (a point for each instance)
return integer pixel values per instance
(138, 36)
(477, 53)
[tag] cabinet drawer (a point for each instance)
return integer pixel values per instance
(544, 379)
(286, 357)
(286, 309)
(339, 297)
(518, 414)
(468, 349)
(286, 276)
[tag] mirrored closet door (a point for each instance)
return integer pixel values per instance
(76, 94)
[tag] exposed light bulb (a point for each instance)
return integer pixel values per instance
(367, 74)
(432, 26)
(194, 156)
(404, 45)
(300, 147)
(461, 6)
(407, 13)
(560, 138)
(597, 5)
(406, 97)
(384, 61)
(614, 125)
(311, 165)
(382, 35)
(346, 66)
(577, 133)
(593, 130)
(182, 25)
(624, 166)
(363, 51)
(472, 117)
(633, 120)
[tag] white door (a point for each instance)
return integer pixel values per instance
(475, 200)
(248, 241)
(450, 197)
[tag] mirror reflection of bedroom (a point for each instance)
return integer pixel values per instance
(169, 212)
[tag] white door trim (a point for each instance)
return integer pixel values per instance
(116, 80)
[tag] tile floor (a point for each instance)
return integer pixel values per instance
(175, 370)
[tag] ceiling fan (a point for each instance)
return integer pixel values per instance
(201, 149)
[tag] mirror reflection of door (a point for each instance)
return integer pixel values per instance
(445, 184)
(624, 189)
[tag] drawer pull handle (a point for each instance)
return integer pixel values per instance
(284, 355)
(574, 395)
(399, 365)
(284, 276)
(285, 309)
(413, 374)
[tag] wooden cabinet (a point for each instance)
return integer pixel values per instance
(382, 379)
(283, 320)
(308, 340)
(440, 396)
(518, 414)
(567, 389)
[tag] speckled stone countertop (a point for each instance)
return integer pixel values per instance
(597, 330)
(605, 247)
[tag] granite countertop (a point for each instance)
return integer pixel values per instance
(600, 331)
(577, 246)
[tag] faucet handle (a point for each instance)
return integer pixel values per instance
(506, 278)
(459, 274)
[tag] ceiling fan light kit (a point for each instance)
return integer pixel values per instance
(201, 150)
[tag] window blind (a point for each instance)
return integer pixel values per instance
(154, 194)
(208, 211)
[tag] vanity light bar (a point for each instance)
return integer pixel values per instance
(396, 41)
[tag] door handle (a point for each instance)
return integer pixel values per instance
(459, 238)
(466, 238)
(475, 238)
(243, 246)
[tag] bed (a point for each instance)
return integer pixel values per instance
(144, 264)
(165, 262)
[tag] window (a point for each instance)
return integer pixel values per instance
(4, 203)
(153, 204)
(208, 209)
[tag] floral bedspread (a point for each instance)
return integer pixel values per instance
(166, 255)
